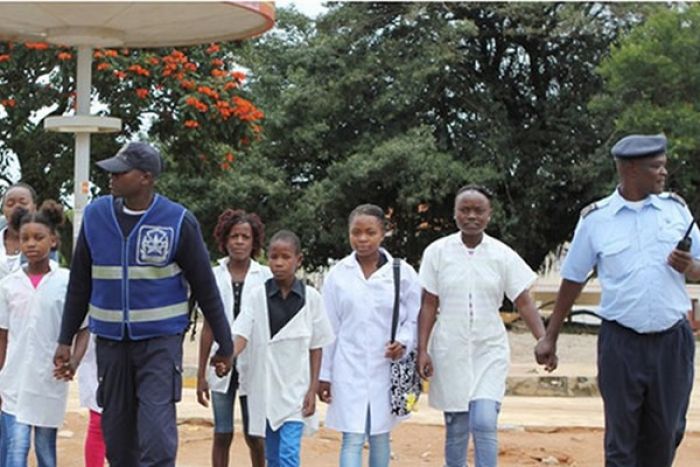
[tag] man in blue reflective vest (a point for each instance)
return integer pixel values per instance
(137, 255)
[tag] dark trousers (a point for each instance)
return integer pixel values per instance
(139, 384)
(645, 381)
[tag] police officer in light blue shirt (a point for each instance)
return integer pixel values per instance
(645, 345)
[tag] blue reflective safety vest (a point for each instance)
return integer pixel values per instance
(136, 284)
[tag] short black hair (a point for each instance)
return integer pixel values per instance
(289, 237)
(368, 210)
(474, 187)
(231, 217)
(26, 186)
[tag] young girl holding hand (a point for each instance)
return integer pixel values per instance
(31, 306)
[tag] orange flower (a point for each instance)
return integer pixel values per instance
(119, 74)
(103, 66)
(189, 66)
(142, 93)
(216, 73)
(191, 124)
(139, 70)
(125, 51)
(5, 58)
(224, 166)
(188, 84)
(230, 85)
(154, 60)
(207, 91)
(213, 48)
(110, 53)
(8, 102)
(230, 157)
(217, 62)
(238, 76)
(64, 56)
(97, 54)
(36, 45)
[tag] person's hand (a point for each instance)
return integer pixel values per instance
(394, 350)
(203, 391)
(546, 353)
(425, 365)
(309, 403)
(63, 366)
(680, 260)
(222, 365)
(324, 392)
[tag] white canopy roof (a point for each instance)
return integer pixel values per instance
(133, 24)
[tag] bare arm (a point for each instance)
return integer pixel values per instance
(315, 356)
(546, 348)
(426, 320)
(206, 340)
(529, 313)
(3, 347)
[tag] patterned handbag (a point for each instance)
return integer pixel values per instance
(405, 381)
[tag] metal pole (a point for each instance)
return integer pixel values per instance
(82, 140)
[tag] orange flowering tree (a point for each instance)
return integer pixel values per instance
(192, 101)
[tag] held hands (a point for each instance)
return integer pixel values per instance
(222, 365)
(309, 403)
(680, 260)
(546, 354)
(64, 366)
(425, 364)
(203, 391)
(324, 392)
(394, 350)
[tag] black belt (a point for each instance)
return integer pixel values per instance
(675, 325)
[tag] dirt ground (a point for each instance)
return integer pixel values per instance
(412, 446)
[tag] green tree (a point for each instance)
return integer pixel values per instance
(652, 86)
(401, 103)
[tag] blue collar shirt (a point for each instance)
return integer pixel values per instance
(629, 248)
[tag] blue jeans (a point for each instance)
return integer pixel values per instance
(351, 450)
(282, 447)
(16, 438)
(482, 422)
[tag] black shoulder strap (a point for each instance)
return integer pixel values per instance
(397, 287)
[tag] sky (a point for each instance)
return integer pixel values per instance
(311, 8)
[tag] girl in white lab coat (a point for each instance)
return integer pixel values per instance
(358, 295)
(31, 307)
(464, 347)
(241, 236)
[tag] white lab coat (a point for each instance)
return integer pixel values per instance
(469, 345)
(257, 274)
(87, 378)
(33, 319)
(360, 311)
(279, 372)
(8, 263)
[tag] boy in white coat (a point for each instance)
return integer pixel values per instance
(286, 328)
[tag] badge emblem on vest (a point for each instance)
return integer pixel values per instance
(154, 244)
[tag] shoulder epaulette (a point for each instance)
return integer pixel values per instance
(589, 209)
(673, 196)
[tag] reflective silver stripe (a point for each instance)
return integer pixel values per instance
(136, 272)
(136, 316)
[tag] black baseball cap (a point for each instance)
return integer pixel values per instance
(134, 155)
